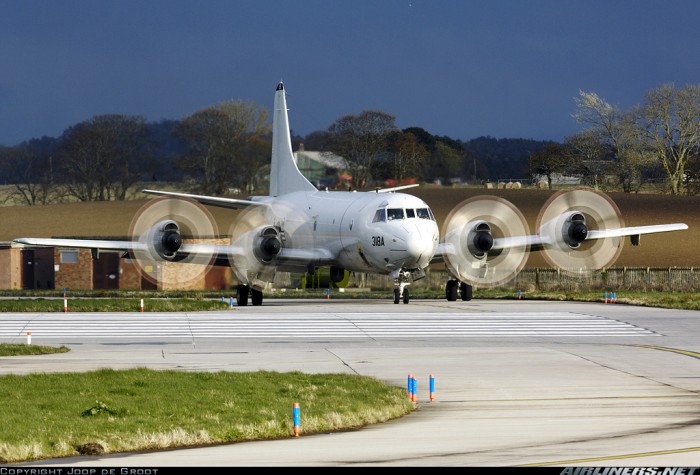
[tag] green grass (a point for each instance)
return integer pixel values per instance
(674, 300)
(112, 305)
(110, 411)
(13, 349)
(198, 301)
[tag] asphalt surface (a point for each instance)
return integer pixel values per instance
(517, 383)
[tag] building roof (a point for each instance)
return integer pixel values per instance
(325, 158)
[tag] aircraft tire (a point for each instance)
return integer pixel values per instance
(397, 296)
(465, 291)
(256, 297)
(406, 295)
(451, 290)
(242, 295)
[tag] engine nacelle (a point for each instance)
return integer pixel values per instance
(267, 244)
(567, 231)
(164, 240)
(575, 230)
(479, 239)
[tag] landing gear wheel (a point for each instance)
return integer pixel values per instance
(397, 295)
(465, 291)
(256, 296)
(406, 295)
(451, 290)
(242, 295)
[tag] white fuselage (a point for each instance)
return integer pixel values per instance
(363, 231)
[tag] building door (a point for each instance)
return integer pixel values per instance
(37, 268)
(27, 268)
(105, 271)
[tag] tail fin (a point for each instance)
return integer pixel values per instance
(285, 176)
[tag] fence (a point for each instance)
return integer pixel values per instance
(681, 279)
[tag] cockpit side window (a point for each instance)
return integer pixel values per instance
(395, 213)
(379, 216)
(425, 213)
(410, 213)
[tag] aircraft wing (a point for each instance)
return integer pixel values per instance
(201, 253)
(635, 230)
(214, 254)
(538, 242)
(106, 245)
(221, 202)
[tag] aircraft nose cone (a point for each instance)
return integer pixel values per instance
(418, 248)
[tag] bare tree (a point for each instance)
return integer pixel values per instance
(360, 139)
(102, 157)
(551, 160)
(590, 157)
(255, 155)
(408, 156)
(670, 122)
(617, 130)
(217, 137)
(692, 176)
(30, 172)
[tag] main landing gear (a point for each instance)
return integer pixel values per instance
(465, 290)
(242, 293)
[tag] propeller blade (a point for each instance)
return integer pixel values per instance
(599, 213)
(163, 226)
(472, 255)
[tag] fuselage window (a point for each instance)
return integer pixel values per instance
(410, 213)
(394, 213)
(379, 216)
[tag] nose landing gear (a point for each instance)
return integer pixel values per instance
(401, 291)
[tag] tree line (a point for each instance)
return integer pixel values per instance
(227, 147)
(658, 140)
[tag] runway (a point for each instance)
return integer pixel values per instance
(337, 324)
(518, 383)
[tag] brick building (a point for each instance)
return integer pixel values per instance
(28, 267)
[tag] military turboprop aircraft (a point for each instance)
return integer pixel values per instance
(299, 228)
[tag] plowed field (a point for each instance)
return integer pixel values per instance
(112, 219)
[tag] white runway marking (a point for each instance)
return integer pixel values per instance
(331, 325)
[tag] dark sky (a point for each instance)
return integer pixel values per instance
(459, 68)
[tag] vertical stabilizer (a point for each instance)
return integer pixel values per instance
(285, 176)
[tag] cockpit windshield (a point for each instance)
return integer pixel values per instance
(391, 214)
(394, 213)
